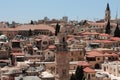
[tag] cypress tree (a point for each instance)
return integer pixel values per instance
(117, 32)
(72, 77)
(30, 32)
(57, 29)
(32, 22)
(107, 29)
(79, 73)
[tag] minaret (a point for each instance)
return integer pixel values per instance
(107, 13)
(61, 57)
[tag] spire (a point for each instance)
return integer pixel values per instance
(116, 14)
(107, 8)
(107, 13)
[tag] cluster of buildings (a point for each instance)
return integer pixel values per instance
(52, 49)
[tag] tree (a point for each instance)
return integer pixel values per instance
(83, 78)
(24, 72)
(72, 77)
(57, 29)
(13, 24)
(0, 33)
(117, 32)
(79, 73)
(30, 32)
(32, 22)
(107, 29)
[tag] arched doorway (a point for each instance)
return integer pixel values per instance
(97, 66)
(104, 68)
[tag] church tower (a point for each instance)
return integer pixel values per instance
(61, 56)
(107, 13)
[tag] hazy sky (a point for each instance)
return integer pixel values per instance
(26, 10)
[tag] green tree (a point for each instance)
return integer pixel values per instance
(30, 32)
(57, 29)
(117, 32)
(72, 77)
(107, 29)
(79, 73)
(13, 24)
(31, 22)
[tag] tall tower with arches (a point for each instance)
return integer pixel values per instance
(107, 13)
(61, 56)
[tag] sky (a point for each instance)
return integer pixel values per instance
(25, 10)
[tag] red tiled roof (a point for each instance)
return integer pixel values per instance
(14, 40)
(38, 39)
(52, 47)
(89, 70)
(90, 56)
(69, 39)
(103, 41)
(29, 44)
(84, 63)
(115, 38)
(107, 55)
(94, 53)
(103, 34)
(113, 54)
(18, 54)
(89, 33)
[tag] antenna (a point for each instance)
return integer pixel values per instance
(116, 14)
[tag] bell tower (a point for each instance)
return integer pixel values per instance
(61, 57)
(107, 13)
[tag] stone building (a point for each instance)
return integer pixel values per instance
(112, 68)
(61, 57)
(24, 30)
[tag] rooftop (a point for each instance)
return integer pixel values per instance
(27, 78)
(89, 70)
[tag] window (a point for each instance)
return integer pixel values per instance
(48, 53)
(74, 67)
(56, 70)
(64, 72)
(80, 54)
(71, 59)
(119, 71)
(79, 59)
(98, 58)
(93, 75)
(71, 53)
(114, 70)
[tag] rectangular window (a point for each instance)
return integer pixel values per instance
(64, 72)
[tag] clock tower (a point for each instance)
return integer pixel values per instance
(107, 13)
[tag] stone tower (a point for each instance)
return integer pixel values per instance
(61, 57)
(107, 13)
